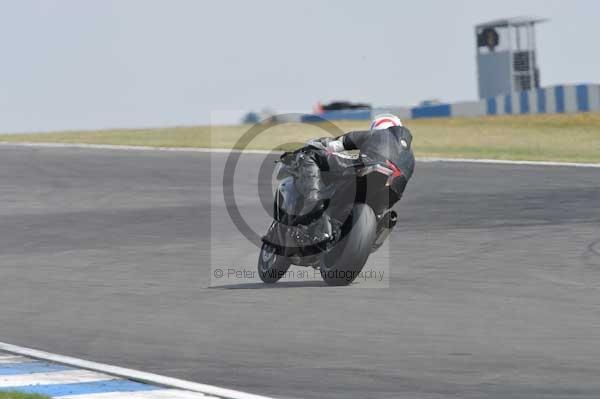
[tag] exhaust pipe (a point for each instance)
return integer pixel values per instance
(386, 224)
(389, 220)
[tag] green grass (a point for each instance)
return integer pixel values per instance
(567, 138)
(17, 395)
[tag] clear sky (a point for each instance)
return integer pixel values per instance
(69, 64)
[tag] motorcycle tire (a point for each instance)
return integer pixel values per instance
(342, 264)
(271, 267)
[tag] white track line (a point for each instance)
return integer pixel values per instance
(509, 162)
(226, 151)
(162, 394)
(128, 147)
(57, 377)
(130, 374)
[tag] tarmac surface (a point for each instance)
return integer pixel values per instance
(492, 289)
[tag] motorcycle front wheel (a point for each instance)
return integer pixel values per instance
(271, 267)
(342, 264)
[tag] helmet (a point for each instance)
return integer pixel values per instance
(384, 121)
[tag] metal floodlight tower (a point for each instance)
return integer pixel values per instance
(506, 57)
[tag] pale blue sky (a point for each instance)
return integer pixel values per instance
(70, 64)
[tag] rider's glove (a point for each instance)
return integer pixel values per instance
(335, 146)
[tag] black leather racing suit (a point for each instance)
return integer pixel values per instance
(393, 144)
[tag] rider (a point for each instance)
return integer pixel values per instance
(387, 140)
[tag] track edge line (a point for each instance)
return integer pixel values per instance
(228, 150)
(130, 374)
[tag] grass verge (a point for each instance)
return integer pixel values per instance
(565, 137)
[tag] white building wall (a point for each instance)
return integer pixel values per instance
(533, 105)
(550, 100)
(570, 99)
(516, 103)
(469, 108)
(594, 97)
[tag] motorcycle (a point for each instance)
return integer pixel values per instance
(358, 196)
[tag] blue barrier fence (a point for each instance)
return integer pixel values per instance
(548, 100)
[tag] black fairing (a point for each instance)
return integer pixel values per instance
(344, 187)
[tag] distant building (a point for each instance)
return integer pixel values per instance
(508, 78)
(506, 56)
(251, 118)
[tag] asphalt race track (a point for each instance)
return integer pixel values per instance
(494, 288)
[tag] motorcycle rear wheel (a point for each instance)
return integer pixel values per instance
(342, 264)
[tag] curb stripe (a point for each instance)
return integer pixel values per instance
(30, 367)
(13, 359)
(83, 388)
(160, 394)
(60, 377)
(149, 378)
